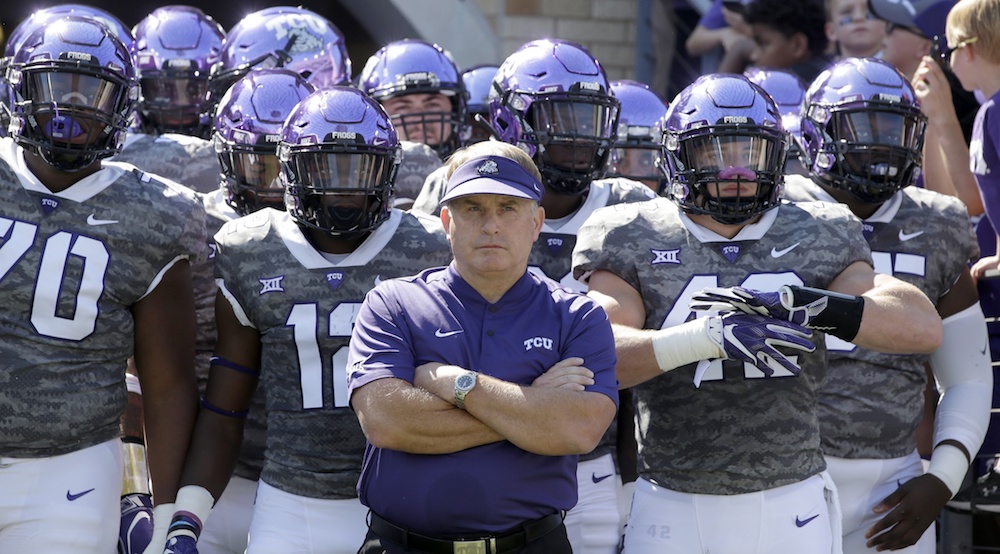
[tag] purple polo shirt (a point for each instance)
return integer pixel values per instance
(437, 317)
(984, 156)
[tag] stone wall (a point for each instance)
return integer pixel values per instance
(606, 27)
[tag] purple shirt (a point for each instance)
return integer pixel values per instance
(713, 18)
(984, 156)
(437, 317)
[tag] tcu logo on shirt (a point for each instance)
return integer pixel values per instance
(538, 342)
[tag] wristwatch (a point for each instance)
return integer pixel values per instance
(463, 384)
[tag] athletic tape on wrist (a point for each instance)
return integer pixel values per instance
(162, 514)
(842, 316)
(686, 343)
(949, 464)
(191, 510)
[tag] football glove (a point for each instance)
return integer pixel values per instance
(755, 339)
(182, 544)
(136, 529)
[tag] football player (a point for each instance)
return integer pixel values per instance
(290, 283)
(737, 432)
(96, 268)
(862, 136)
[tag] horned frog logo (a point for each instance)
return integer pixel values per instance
(489, 167)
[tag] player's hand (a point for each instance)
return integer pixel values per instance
(181, 545)
(779, 305)
(755, 339)
(136, 528)
(912, 508)
(566, 374)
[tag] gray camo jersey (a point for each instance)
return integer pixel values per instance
(303, 306)
(71, 266)
(871, 403)
(417, 162)
(191, 161)
(740, 431)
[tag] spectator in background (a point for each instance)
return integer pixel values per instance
(853, 29)
(789, 35)
(722, 38)
(950, 110)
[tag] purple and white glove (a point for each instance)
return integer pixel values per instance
(136, 529)
(755, 339)
(182, 544)
(779, 305)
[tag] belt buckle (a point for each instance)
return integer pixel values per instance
(481, 546)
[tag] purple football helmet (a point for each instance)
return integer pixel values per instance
(413, 66)
(339, 154)
(247, 128)
(293, 38)
(719, 131)
(552, 98)
(175, 48)
(786, 89)
(75, 89)
(478, 81)
(862, 129)
(47, 15)
(636, 154)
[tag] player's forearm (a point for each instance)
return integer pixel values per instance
(898, 319)
(169, 420)
(636, 357)
(215, 447)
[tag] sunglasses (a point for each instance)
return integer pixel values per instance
(941, 52)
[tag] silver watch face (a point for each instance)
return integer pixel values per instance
(465, 381)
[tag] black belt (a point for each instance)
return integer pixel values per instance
(508, 541)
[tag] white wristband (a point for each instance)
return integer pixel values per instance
(162, 514)
(685, 344)
(949, 464)
(195, 501)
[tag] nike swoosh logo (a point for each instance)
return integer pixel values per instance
(71, 497)
(803, 522)
(597, 479)
(378, 279)
(903, 237)
(985, 347)
(91, 220)
(775, 253)
(442, 334)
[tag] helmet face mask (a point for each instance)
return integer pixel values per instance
(862, 131)
(339, 154)
(725, 149)
(75, 89)
(551, 97)
(248, 124)
(420, 87)
(175, 49)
